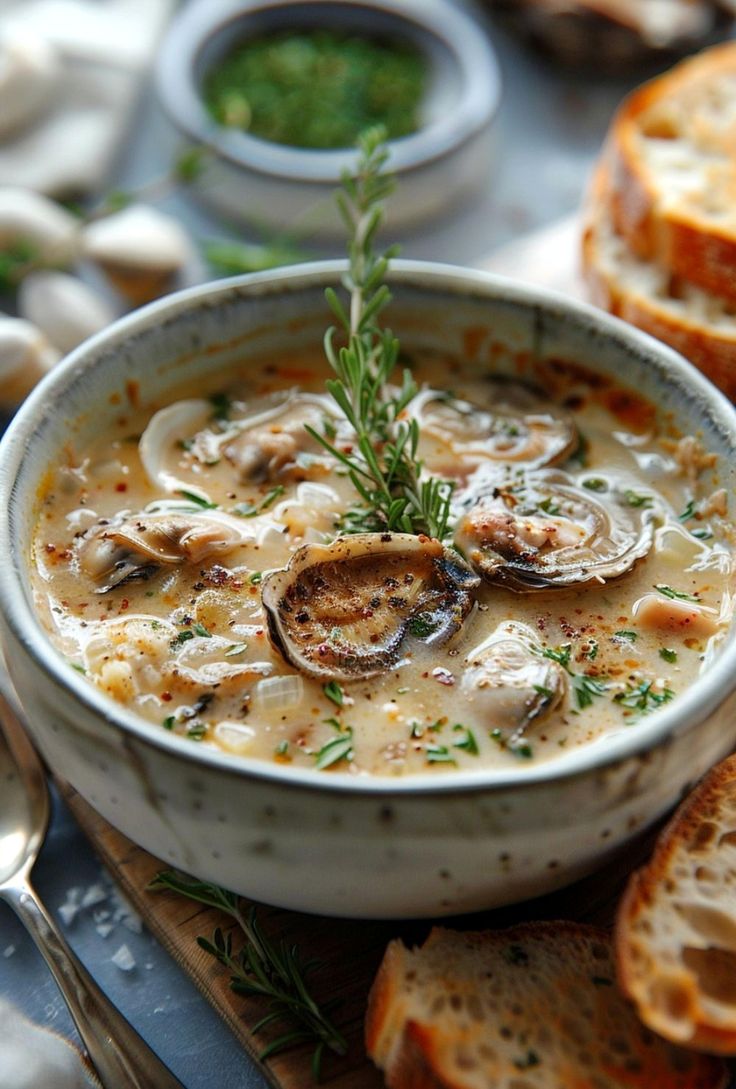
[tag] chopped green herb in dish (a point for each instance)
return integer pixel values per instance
(318, 88)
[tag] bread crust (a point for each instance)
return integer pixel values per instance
(711, 348)
(694, 247)
(651, 892)
(553, 1000)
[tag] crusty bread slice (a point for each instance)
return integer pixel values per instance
(671, 157)
(676, 927)
(533, 1007)
(695, 323)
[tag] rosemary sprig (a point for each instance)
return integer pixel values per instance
(263, 968)
(383, 463)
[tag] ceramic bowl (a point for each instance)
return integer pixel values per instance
(334, 843)
(258, 181)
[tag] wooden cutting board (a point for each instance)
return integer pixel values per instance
(350, 951)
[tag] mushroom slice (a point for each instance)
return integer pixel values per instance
(344, 610)
(509, 682)
(517, 426)
(136, 546)
(542, 532)
(273, 444)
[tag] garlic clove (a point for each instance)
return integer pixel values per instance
(50, 231)
(140, 249)
(25, 357)
(66, 309)
(29, 75)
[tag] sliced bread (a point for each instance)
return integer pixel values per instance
(676, 927)
(533, 1007)
(694, 322)
(671, 158)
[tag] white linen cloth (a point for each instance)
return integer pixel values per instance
(106, 48)
(35, 1058)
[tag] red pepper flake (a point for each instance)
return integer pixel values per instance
(166, 697)
(124, 604)
(50, 548)
(121, 487)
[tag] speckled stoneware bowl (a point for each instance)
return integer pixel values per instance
(324, 842)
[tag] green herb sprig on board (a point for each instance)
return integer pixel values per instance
(273, 971)
(382, 463)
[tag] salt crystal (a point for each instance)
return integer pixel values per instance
(104, 929)
(95, 894)
(124, 959)
(133, 923)
(68, 913)
(8, 951)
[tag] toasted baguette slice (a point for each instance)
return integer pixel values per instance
(700, 326)
(676, 926)
(671, 156)
(533, 1007)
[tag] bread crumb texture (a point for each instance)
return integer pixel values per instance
(533, 1007)
(676, 928)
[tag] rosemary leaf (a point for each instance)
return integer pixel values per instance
(262, 968)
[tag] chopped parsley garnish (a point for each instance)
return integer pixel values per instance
(630, 636)
(702, 533)
(197, 731)
(282, 748)
(561, 655)
(200, 630)
(339, 748)
(197, 500)
(181, 637)
(595, 484)
(169, 722)
(586, 689)
(689, 512)
(549, 506)
(634, 499)
(667, 654)
(543, 691)
(334, 692)
(468, 742)
(439, 754)
(643, 697)
(421, 626)
(592, 651)
(256, 577)
(250, 510)
(674, 595)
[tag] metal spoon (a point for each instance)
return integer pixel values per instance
(121, 1058)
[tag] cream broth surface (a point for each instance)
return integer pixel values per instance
(223, 486)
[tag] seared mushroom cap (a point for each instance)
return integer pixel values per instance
(343, 610)
(542, 531)
(139, 544)
(516, 426)
(509, 681)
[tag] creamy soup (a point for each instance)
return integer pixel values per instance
(200, 566)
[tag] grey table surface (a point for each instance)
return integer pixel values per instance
(551, 125)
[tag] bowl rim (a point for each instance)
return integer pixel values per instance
(686, 712)
(466, 39)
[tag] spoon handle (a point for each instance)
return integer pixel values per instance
(121, 1058)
